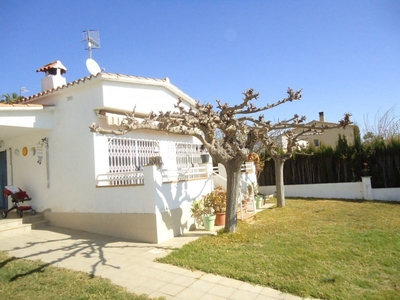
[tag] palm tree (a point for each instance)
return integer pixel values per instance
(10, 98)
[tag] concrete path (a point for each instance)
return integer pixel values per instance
(131, 264)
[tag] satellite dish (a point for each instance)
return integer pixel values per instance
(92, 66)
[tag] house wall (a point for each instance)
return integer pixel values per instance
(42, 118)
(151, 213)
(25, 171)
(173, 201)
(70, 197)
(127, 96)
(330, 137)
(77, 155)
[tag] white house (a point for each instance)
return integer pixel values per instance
(97, 183)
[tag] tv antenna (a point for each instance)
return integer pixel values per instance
(22, 90)
(91, 38)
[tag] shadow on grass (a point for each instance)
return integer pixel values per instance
(39, 269)
(4, 263)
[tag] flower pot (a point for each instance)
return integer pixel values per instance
(220, 219)
(205, 158)
(208, 221)
(259, 200)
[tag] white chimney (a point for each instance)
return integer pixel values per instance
(53, 75)
(321, 117)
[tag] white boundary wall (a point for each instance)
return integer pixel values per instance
(347, 190)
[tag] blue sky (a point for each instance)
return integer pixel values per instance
(345, 55)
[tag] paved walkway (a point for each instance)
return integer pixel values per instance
(131, 264)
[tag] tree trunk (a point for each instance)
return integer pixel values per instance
(280, 189)
(233, 176)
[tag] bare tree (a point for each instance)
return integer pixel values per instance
(229, 133)
(385, 126)
(282, 141)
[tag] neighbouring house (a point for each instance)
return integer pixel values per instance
(111, 185)
(329, 137)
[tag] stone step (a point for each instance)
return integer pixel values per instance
(40, 224)
(13, 224)
(12, 231)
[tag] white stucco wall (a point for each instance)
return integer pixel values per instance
(145, 98)
(41, 118)
(349, 190)
(388, 194)
(25, 171)
(341, 190)
(173, 201)
(76, 155)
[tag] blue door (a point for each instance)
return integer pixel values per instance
(3, 180)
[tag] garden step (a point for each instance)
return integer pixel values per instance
(13, 224)
(40, 224)
(12, 231)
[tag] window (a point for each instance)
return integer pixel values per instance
(127, 156)
(316, 143)
(187, 155)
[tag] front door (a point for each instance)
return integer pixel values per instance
(3, 180)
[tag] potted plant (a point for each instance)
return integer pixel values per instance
(205, 157)
(217, 201)
(365, 171)
(203, 213)
(258, 197)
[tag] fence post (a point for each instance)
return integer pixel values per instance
(366, 187)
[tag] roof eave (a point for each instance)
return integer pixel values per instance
(120, 78)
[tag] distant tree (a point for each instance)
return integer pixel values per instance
(282, 142)
(384, 127)
(229, 133)
(10, 98)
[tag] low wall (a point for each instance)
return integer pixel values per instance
(345, 190)
(392, 194)
(137, 227)
(153, 212)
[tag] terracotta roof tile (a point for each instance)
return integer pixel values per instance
(53, 65)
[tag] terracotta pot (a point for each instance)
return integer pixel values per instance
(220, 219)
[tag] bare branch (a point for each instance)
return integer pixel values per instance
(228, 137)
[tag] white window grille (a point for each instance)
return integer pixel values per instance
(187, 155)
(126, 155)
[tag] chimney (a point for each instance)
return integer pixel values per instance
(53, 78)
(321, 117)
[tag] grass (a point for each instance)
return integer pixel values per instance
(25, 279)
(312, 248)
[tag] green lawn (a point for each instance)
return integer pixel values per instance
(25, 279)
(316, 248)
